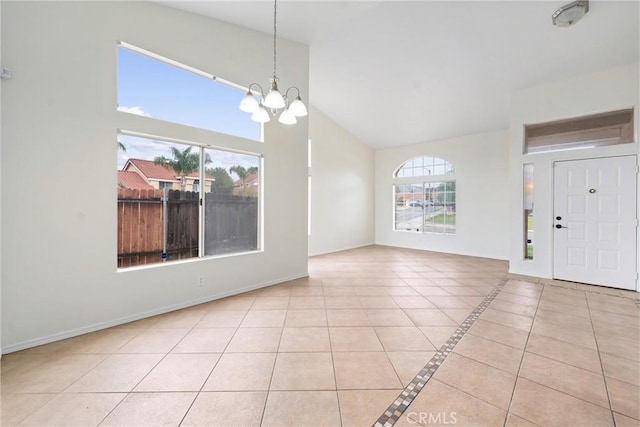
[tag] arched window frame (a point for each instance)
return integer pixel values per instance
(441, 207)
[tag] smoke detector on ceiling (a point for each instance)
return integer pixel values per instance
(570, 13)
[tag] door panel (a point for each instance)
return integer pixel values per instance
(595, 239)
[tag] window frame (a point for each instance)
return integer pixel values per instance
(202, 139)
(422, 180)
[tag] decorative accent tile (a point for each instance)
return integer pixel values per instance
(407, 396)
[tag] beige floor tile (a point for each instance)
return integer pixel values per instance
(377, 302)
(138, 324)
(438, 335)
(568, 379)
(154, 341)
(563, 351)
(150, 409)
(332, 302)
(458, 315)
(499, 333)
(279, 290)
(210, 340)
(388, 317)
(515, 308)
(304, 340)
(407, 364)
(242, 372)
(306, 291)
(624, 398)
(252, 340)
(582, 337)
(338, 291)
(472, 301)
(564, 296)
(118, 373)
(619, 347)
(413, 301)
(429, 317)
(624, 421)
(491, 353)
(305, 318)
(84, 409)
(179, 372)
(623, 306)
(463, 291)
(447, 302)
(529, 301)
(301, 408)
(222, 319)
(241, 409)
(240, 302)
(179, 319)
(16, 407)
(271, 303)
(428, 291)
(400, 291)
(622, 369)
(564, 318)
(613, 318)
(367, 291)
(364, 370)
(507, 319)
(440, 404)
(363, 407)
(547, 407)
(51, 376)
(306, 303)
(403, 338)
(516, 421)
(264, 319)
(347, 317)
(564, 308)
(477, 379)
(105, 341)
(303, 371)
(354, 339)
(630, 332)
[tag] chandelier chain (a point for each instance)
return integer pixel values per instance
(275, 8)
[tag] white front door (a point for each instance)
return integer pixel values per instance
(595, 221)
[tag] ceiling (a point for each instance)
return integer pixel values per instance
(401, 72)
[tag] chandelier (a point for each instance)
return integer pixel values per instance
(262, 107)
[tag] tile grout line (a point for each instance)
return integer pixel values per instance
(410, 392)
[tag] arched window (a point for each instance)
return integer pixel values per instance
(425, 196)
(424, 166)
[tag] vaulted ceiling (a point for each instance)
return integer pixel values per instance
(402, 72)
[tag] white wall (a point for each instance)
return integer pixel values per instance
(342, 192)
(609, 90)
(59, 129)
(482, 204)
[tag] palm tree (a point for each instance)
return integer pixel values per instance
(243, 174)
(122, 147)
(183, 163)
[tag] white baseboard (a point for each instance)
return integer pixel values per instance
(341, 249)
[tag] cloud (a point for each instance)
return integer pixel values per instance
(134, 110)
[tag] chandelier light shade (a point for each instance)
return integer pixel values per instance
(570, 13)
(262, 106)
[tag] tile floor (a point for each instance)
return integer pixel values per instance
(339, 347)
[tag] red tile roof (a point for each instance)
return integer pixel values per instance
(152, 170)
(249, 181)
(132, 180)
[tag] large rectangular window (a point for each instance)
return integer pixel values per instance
(152, 86)
(428, 207)
(178, 201)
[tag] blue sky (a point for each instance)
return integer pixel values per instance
(159, 90)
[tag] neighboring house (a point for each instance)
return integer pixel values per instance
(159, 176)
(251, 186)
(133, 181)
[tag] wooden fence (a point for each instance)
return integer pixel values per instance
(231, 225)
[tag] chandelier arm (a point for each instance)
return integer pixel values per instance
(260, 87)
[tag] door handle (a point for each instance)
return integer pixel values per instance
(560, 226)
